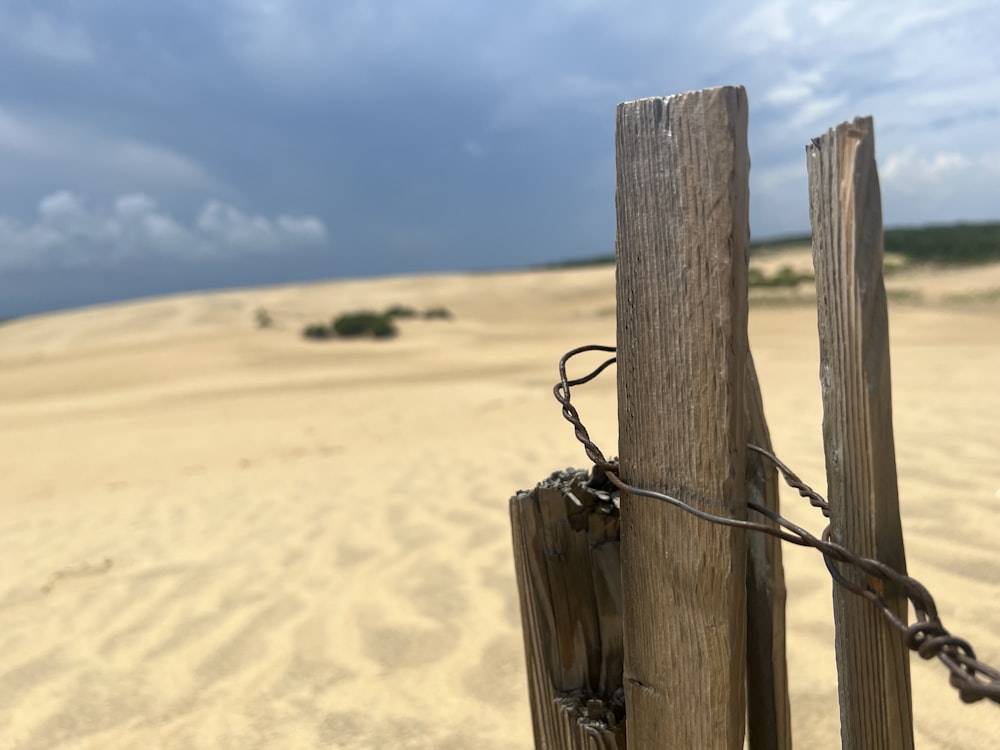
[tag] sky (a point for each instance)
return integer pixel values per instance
(150, 148)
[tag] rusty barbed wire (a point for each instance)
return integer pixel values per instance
(974, 680)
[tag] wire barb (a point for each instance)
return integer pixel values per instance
(974, 680)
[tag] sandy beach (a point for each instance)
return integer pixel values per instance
(215, 535)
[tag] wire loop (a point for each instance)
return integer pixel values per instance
(927, 636)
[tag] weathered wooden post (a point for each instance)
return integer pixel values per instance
(566, 552)
(682, 251)
(769, 721)
(846, 212)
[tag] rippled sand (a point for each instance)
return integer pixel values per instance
(214, 535)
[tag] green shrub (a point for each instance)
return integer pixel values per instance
(351, 325)
(316, 331)
(263, 317)
(437, 313)
(400, 311)
(785, 276)
(952, 244)
(789, 277)
(383, 328)
(367, 323)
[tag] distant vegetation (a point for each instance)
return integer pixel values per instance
(400, 311)
(951, 244)
(437, 313)
(353, 325)
(597, 260)
(317, 331)
(365, 323)
(263, 318)
(357, 324)
(784, 277)
(964, 244)
(948, 244)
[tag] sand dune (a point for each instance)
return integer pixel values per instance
(214, 535)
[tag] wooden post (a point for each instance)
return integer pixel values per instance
(682, 250)
(566, 554)
(846, 213)
(769, 725)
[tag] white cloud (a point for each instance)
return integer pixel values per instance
(827, 14)
(304, 228)
(796, 86)
(227, 226)
(134, 204)
(910, 171)
(60, 207)
(841, 29)
(767, 22)
(905, 63)
(818, 112)
(922, 187)
(69, 231)
(777, 179)
(789, 92)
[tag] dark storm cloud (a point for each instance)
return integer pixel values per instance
(257, 141)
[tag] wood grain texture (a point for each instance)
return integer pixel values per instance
(846, 213)
(768, 717)
(682, 250)
(569, 583)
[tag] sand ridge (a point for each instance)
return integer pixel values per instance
(214, 535)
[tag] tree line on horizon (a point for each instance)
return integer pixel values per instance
(945, 244)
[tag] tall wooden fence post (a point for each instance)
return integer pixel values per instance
(846, 212)
(682, 250)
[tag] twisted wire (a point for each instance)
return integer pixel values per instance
(974, 680)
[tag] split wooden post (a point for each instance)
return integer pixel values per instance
(769, 721)
(566, 554)
(846, 212)
(682, 251)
